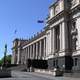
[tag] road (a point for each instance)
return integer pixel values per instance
(16, 75)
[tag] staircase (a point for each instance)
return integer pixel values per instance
(75, 74)
(18, 68)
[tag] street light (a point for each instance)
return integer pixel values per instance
(5, 51)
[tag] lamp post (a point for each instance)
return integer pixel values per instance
(5, 51)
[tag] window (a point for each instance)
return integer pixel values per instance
(57, 8)
(52, 12)
(75, 61)
(54, 63)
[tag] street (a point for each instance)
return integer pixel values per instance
(16, 75)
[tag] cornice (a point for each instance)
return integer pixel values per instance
(55, 18)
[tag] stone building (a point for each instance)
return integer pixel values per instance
(17, 50)
(59, 43)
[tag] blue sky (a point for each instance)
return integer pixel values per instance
(20, 15)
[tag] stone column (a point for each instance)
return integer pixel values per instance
(26, 55)
(40, 50)
(64, 36)
(46, 46)
(28, 52)
(36, 50)
(64, 31)
(53, 41)
(44, 55)
(61, 37)
(18, 56)
(33, 50)
(23, 56)
(65, 47)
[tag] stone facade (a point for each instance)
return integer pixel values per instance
(59, 43)
(17, 50)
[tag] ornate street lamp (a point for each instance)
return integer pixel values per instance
(5, 51)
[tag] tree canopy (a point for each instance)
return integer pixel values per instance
(8, 60)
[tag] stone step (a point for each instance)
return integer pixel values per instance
(72, 74)
(18, 68)
(5, 73)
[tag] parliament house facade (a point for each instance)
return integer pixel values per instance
(58, 43)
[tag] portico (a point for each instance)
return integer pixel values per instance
(34, 50)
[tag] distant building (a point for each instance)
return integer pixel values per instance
(59, 43)
(17, 50)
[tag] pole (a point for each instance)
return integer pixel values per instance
(5, 54)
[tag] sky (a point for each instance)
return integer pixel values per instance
(22, 16)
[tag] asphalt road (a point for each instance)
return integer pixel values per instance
(35, 76)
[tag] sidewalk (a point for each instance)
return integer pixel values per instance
(50, 76)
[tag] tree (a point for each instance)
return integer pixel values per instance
(8, 60)
(1, 62)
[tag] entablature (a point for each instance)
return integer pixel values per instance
(35, 40)
(56, 18)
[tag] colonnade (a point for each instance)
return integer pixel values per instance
(58, 38)
(35, 50)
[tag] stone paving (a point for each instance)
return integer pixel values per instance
(35, 76)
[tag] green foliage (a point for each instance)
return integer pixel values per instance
(8, 60)
(1, 61)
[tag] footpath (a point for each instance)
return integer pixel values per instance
(50, 76)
